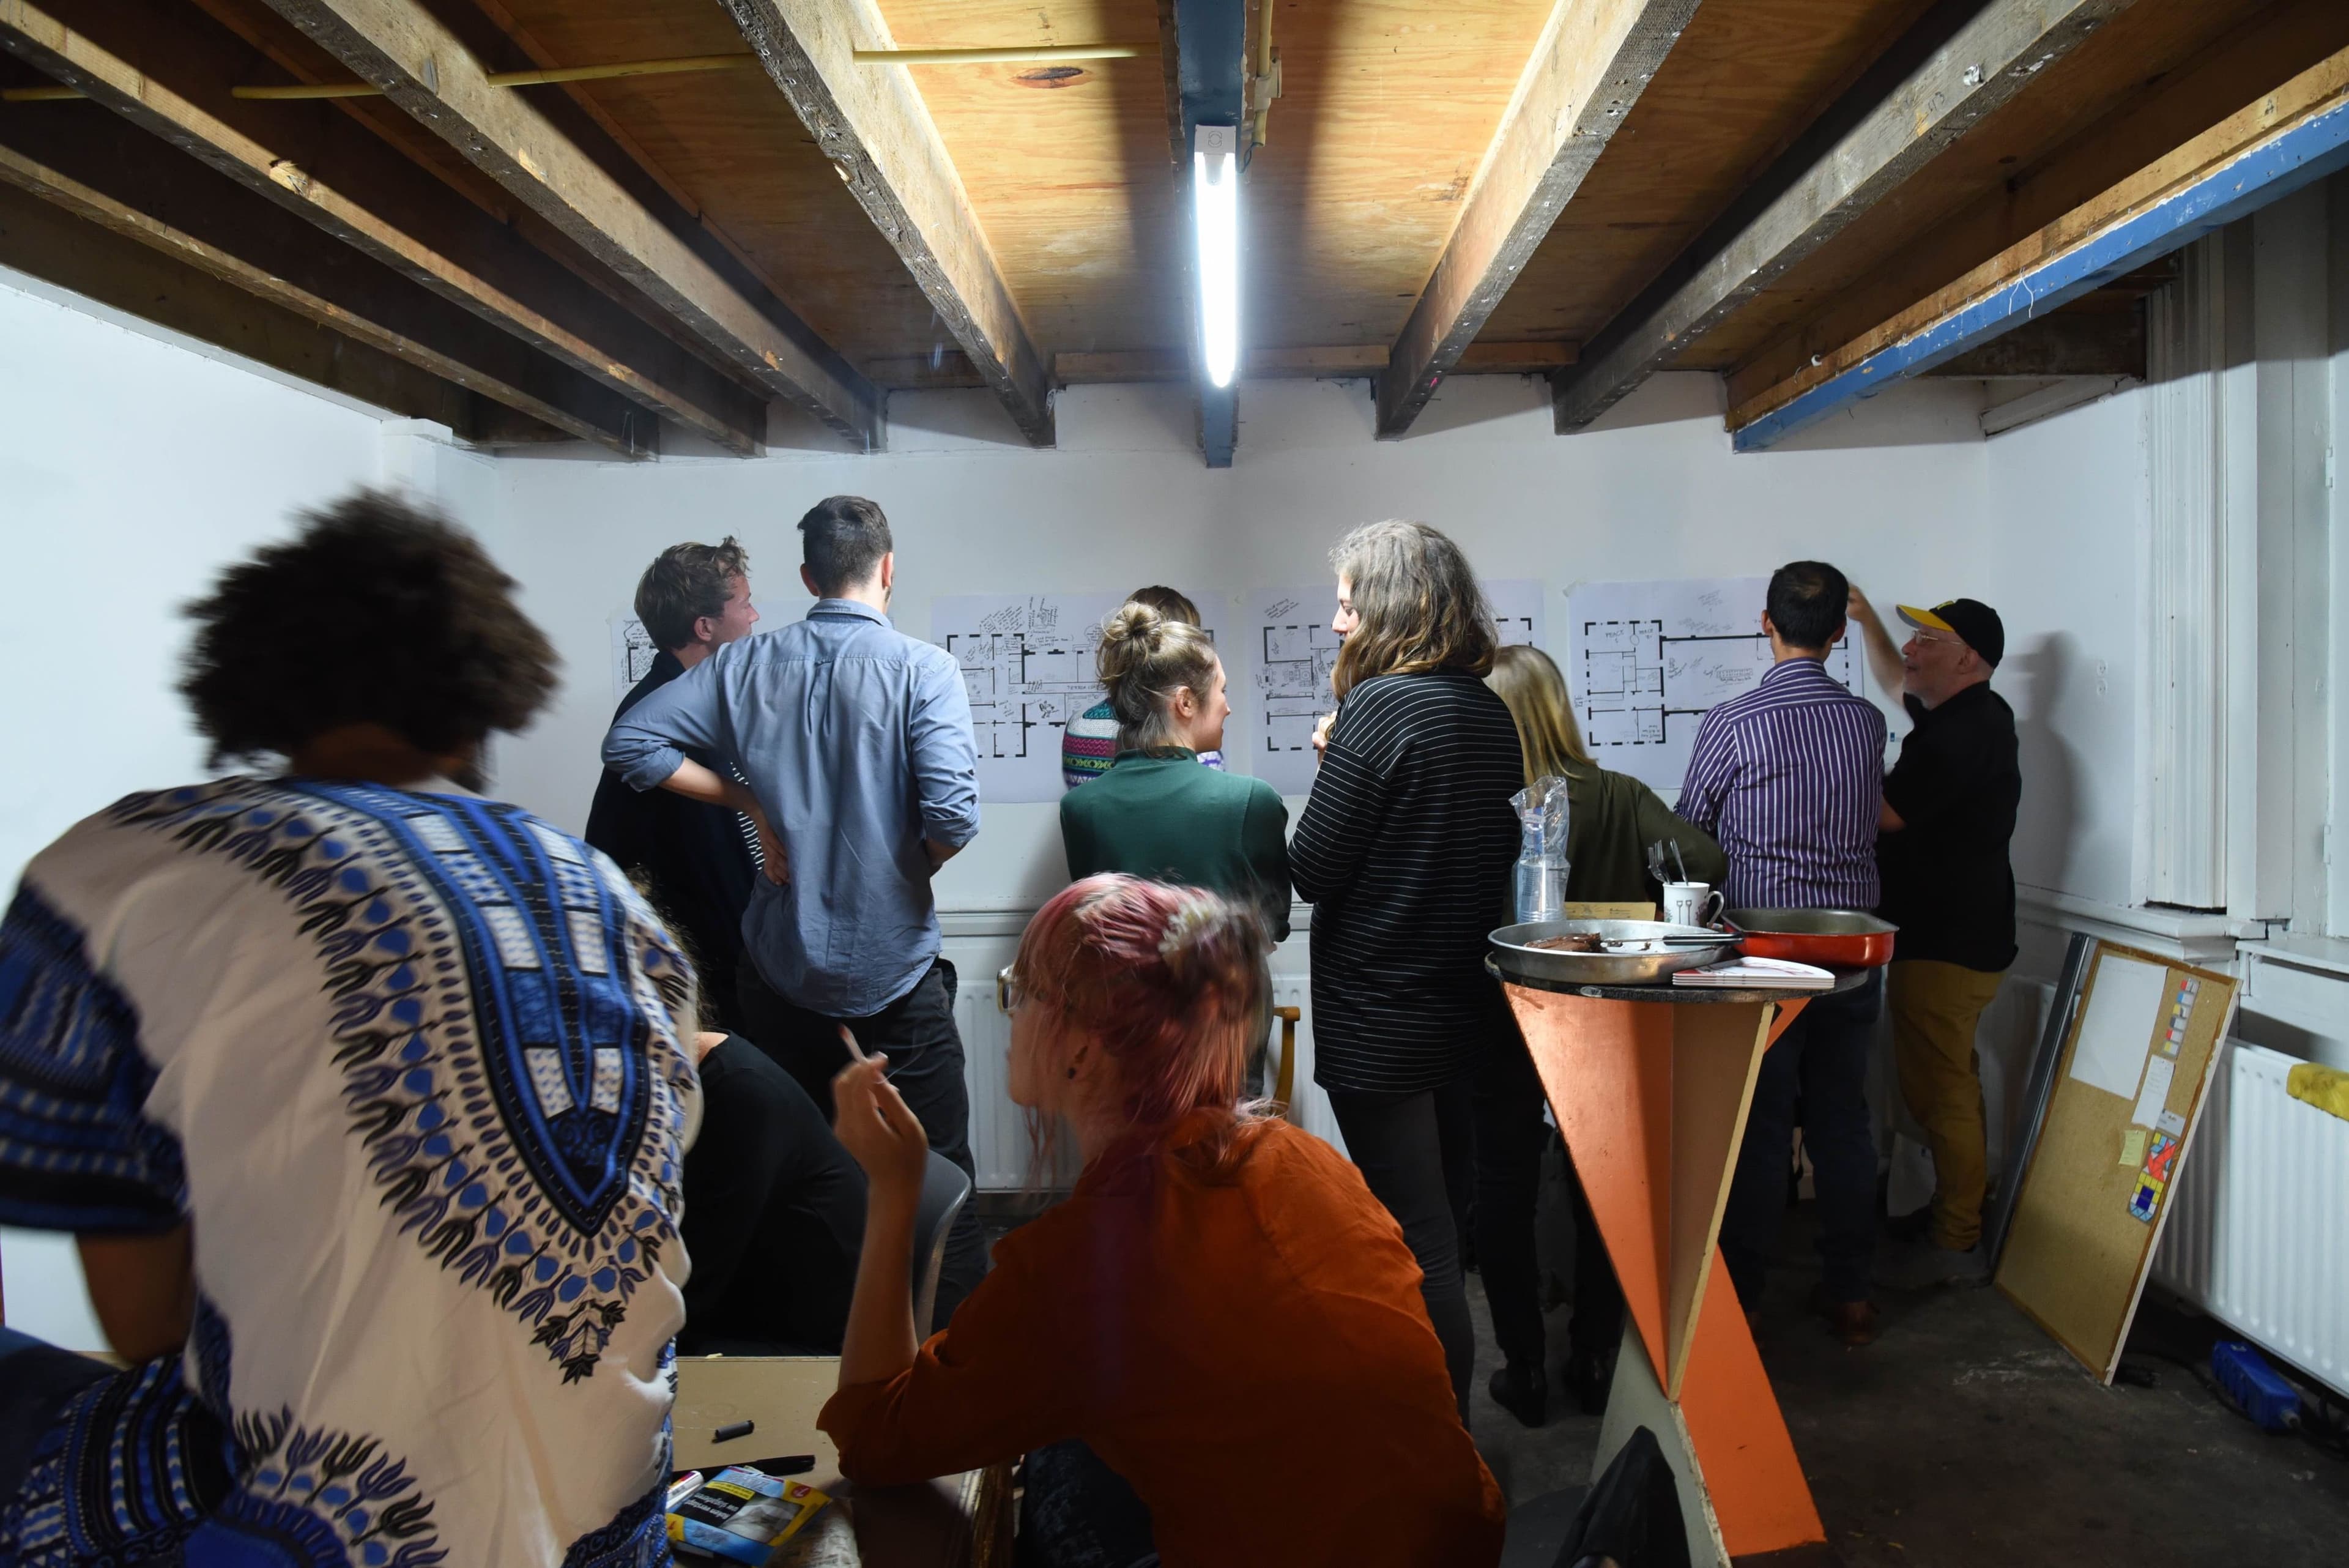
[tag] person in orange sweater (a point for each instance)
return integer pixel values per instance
(1220, 1311)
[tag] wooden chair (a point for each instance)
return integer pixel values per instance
(1285, 1083)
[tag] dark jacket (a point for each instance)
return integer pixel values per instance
(697, 859)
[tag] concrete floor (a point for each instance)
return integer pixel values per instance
(1964, 1436)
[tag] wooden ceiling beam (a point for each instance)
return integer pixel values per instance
(402, 48)
(163, 69)
(107, 171)
(1593, 60)
(1342, 362)
(870, 121)
(48, 243)
(2289, 138)
(1987, 61)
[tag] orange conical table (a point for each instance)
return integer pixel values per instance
(1651, 1084)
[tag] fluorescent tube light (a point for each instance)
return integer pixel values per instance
(1215, 206)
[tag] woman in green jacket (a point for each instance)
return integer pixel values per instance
(1612, 819)
(1156, 812)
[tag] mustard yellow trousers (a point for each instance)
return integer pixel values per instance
(1934, 1008)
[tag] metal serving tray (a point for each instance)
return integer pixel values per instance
(1514, 953)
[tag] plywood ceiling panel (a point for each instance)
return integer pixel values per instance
(2155, 48)
(731, 145)
(1387, 110)
(1746, 79)
(1067, 166)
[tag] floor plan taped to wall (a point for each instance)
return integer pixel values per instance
(632, 652)
(1294, 650)
(1646, 661)
(1029, 663)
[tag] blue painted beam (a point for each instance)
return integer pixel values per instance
(2299, 155)
(1211, 66)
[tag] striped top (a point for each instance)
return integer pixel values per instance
(1790, 777)
(1405, 851)
(1089, 747)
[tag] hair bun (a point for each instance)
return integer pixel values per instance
(1132, 622)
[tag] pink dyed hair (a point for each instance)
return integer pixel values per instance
(1171, 981)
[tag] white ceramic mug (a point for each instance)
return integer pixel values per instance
(1691, 903)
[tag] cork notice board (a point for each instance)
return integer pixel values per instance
(2135, 1067)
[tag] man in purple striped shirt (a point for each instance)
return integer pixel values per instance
(1790, 778)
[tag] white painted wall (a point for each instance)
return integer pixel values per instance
(1892, 495)
(2059, 554)
(137, 462)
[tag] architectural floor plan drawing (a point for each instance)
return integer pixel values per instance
(1649, 660)
(1295, 650)
(1028, 665)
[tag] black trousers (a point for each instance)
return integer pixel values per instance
(926, 1065)
(1510, 1138)
(1822, 1062)
(1417, 1153)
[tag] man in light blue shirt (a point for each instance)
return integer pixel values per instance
(864, 780)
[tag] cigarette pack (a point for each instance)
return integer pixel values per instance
(742, 1515)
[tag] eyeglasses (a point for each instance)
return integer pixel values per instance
(1007, 993)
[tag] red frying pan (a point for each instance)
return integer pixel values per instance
(1838, 939)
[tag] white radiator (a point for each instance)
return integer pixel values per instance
(2258, 1235)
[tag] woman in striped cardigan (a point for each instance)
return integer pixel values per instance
(1404, 851)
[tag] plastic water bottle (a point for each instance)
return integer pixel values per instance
(1541, 881)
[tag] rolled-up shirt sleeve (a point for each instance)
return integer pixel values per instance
(946, 758)
(645, 745)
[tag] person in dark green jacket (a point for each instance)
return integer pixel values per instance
(1612, 820)
(1157, 813)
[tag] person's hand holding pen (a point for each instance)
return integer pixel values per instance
(874, 1123)
(1321, 734)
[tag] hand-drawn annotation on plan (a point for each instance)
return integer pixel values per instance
(1295, 651)
(1029, 664)
(632, 652)
(1648, 660)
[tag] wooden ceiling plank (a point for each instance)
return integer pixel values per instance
(1339, 361)
(405, 50)
(870, 121)
(1594, 58)
(2150, 81)
(46, 241)
(164, 70)
(2298, 133)
(2074, 342)
(107, 171)
(1989, 61)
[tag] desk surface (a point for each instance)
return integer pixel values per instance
(928, 1525)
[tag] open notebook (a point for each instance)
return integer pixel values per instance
(1747, 972)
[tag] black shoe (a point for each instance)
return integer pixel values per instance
(1588, 1375)
(1523, 1391)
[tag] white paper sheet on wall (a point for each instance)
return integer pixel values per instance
(1292, 649)
(2155, 1093)
(632, 652)
(1029, 665)
(2116, 1030)
(1646, 661)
